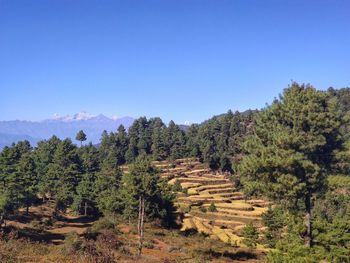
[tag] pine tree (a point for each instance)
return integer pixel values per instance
(85, 195)
(250, 235)
(143, 194)
(158, 148)
(64, 174)
(81, 136)
(84, 199)
(122, 145)
(107, 186)
(291, 148)
(176, 141)
(28, 181)
(43, 156)
(192, 146)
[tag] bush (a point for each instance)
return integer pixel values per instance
(103, 224)
(108, 238)
(96, 253)
(37, 225)
(202, 209)
(187, 209)
(250, 235)
(73, 243)
(177, 186)
(149, 244)
(212, 208)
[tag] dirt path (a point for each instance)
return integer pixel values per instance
(54, 234)
(70, 224)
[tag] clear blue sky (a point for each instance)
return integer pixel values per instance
(177, 59)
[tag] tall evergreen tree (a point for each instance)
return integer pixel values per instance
(81, 136)
(291, 148)
(142, 194)
(122, 144)
(28, 181)
(64, 174)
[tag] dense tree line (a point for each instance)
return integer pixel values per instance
(215, 141)
(88, 179)
(68, 176)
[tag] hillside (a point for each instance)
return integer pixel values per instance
(203, 236)
(202, 188)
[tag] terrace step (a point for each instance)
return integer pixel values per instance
(198, 200)
(240, 206)
(215, 187)
(259, 202)
(220, 190)
(220, 222)
(205, 181)
(214, 217)
(254, 213)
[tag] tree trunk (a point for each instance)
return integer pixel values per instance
(140, 225)
(307, 221)
(2, 222)
(85, 209)
(27, 206)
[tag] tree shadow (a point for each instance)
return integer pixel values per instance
(24, 218)
(36, 235)
(238, 255)
(79, 220)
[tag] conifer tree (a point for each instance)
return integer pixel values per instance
(28, 181)
(291, 148)
(81, 136)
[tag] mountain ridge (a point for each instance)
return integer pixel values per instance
(63, 127)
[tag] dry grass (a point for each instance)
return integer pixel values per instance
(236, 205)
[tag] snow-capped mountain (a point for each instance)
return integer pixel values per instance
(61, 126)
(80, 116)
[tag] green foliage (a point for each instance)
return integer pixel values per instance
(250, 235)
(81, 136)
(177, 186)
(338, 182)
(64, 174)
(212, 207)
(275, 220)
(284, 154)
(203, 209)
(27, 180)
(291, 148)
(106, 188)
(331, 217)
(143, 180)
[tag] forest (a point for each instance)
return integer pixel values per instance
(295, 152)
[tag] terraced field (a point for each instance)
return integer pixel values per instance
(204, 189)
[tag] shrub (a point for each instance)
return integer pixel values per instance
(108, 238)
(250, 235)
(149, 244)
(185, 209)
(37, 225)
(103, 224)
(202, 209)
(97, 253)
(212, 208)
(177, 186)
(72, 244)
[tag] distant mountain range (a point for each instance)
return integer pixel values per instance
(62, 127)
